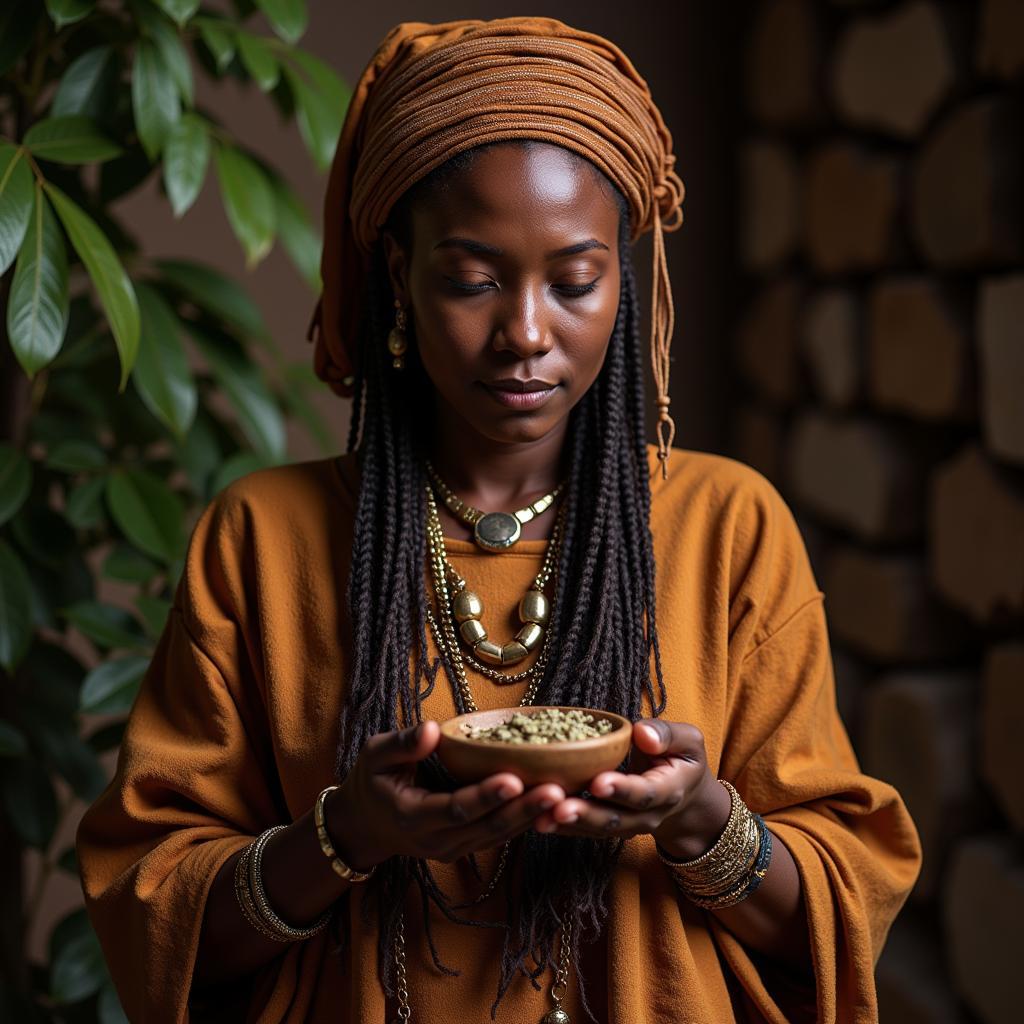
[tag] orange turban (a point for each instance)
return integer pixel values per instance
(432, 91)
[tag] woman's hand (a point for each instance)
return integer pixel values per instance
(668, 793)
(379, 811)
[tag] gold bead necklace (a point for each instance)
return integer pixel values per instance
(466, 607)
(493, 531)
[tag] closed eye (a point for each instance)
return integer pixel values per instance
(572, 291)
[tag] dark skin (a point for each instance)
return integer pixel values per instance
(539, 302)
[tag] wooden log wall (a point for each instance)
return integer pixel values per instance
(879, 353)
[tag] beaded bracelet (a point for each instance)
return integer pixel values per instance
(244, 896)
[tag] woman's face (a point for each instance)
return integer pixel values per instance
(512, 285)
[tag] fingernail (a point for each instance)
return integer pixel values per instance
(570, 819)
(546, 805)
(506, 793)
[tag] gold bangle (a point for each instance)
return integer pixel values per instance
(341, 869)
(245, 900)
(284, 932)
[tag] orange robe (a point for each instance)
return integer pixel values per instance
(235, 730)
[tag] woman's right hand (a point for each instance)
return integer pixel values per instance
(379, 812)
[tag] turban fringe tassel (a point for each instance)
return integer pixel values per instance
(432, 91)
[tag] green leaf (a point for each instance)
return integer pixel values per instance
(236, 467)
(200, 454)
(12, 743)
(37, 309)
(79, 969)
(106, 625)
(84, 86)
(319, 123)
(15, 480)
(73, 758)
(30, 801)
(248, 202)
(161, 372)
(173, 51)
(259, 60)
(15, 619)
(15, 202)
(110, 688)
(215, 294)
(155, 100)
(107, 737)
(84, 506)
(108, 1006)
(69, 140)
(288, 17)
(66, 12)
(126, 564)
(154, 612)
(178, 10)
(115, 291)
(186, 157)
(216, 34)
(245, 388)
(147, 511)
(326, 81)
(296, 231)
(74, 456)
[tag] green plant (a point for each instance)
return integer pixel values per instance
(131, 391)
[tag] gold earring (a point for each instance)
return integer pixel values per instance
(397, 343)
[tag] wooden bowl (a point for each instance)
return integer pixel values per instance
(572, 764)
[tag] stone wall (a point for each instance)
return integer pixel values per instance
(880, 346)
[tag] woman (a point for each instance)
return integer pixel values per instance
(480, 304)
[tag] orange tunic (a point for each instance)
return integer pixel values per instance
(235, 729)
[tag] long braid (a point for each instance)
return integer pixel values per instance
(602, 618)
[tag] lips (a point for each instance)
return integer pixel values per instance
(514, 393)
(514, 384)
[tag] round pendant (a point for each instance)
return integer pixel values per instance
(497, 531)
(556, 1016)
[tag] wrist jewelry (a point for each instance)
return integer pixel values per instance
(732, 869)
(341, 869)
(244, 896)
(254, 896)
(493, 531)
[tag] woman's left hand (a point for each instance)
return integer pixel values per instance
(668, 793)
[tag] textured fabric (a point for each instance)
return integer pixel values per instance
(433, 91)
(235, 729)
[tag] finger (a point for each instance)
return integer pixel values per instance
(638, 792)
(655, 736)
(516, 816)
(598, 820)
(388, 750)
(465, 805)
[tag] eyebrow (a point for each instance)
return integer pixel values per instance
(482, 249)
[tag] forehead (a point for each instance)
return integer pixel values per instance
(537, 196)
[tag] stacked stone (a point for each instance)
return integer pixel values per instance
(882, 353)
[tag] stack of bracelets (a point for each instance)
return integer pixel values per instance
(734, 867)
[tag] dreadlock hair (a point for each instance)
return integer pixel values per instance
(603, 613)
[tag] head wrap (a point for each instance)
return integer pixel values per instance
(432, 91)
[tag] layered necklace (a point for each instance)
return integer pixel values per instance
(458, 621)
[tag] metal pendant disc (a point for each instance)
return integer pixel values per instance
(497, 531)
(556, 1016)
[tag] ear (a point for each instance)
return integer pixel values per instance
(398, 268)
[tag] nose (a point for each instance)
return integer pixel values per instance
(522, 326)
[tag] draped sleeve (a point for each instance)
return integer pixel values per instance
(786, 750)
(193, 781)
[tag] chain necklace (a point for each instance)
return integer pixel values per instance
(493, 531)
(447, 642)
